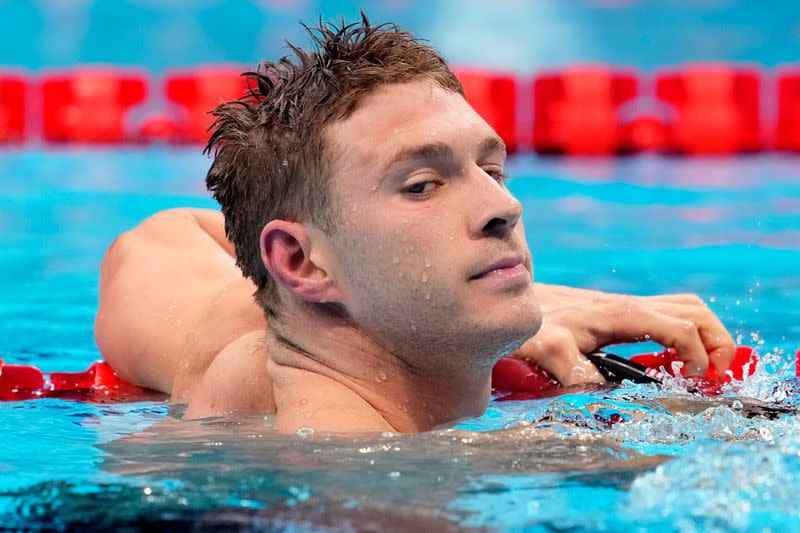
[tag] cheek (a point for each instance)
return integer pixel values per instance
(519, 231)
(365, 254)
(519, 235)
(396, 264)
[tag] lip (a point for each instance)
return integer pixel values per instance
(512, 265)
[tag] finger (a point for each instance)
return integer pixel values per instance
(716, 339)
(555, 350)
(683, 298)
(640, 323)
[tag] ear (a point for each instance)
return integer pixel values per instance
(286, 252)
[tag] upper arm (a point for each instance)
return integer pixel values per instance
(171, 298)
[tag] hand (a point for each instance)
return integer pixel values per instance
(580, 321)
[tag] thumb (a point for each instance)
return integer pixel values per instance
(555, 350)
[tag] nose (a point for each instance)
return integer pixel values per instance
(497, 211)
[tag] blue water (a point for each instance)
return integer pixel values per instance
(726, 229)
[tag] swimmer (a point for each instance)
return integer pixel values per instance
(369, 266)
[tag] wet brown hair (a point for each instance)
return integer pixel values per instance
(271, 160)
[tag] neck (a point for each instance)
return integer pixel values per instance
(409, 398)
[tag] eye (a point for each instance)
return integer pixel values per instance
(422, 188)
(497, 174)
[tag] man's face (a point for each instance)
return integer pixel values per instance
(431, 256)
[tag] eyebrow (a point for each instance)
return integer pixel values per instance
(423, 152)
(492, 143)
(443, 151)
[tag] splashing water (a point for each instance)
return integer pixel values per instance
(724, 487)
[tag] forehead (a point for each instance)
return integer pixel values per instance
(393, 117)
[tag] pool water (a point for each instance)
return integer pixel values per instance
(726, 229)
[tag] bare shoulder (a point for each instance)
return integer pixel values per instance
(171, 298)
(236, 381)
(183, 225)
(309, 400)
(242, 378)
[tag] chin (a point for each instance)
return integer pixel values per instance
(509, 330)
(525, 331)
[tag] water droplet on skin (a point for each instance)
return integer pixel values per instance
(413, 327)
(381, 375)
(179, 322)
(355, 208)
(304, 432)
(285, 163)
(427, 263)
(424, 278)
(427, 296)
(395, 260)
(404, 408)
(304, 401)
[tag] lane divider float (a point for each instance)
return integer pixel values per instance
(99, 384)
(512, 378)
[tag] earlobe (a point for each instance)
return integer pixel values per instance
(286, 253)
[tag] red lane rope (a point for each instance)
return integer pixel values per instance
(523, 380)
(99, 383)
(693, 108)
